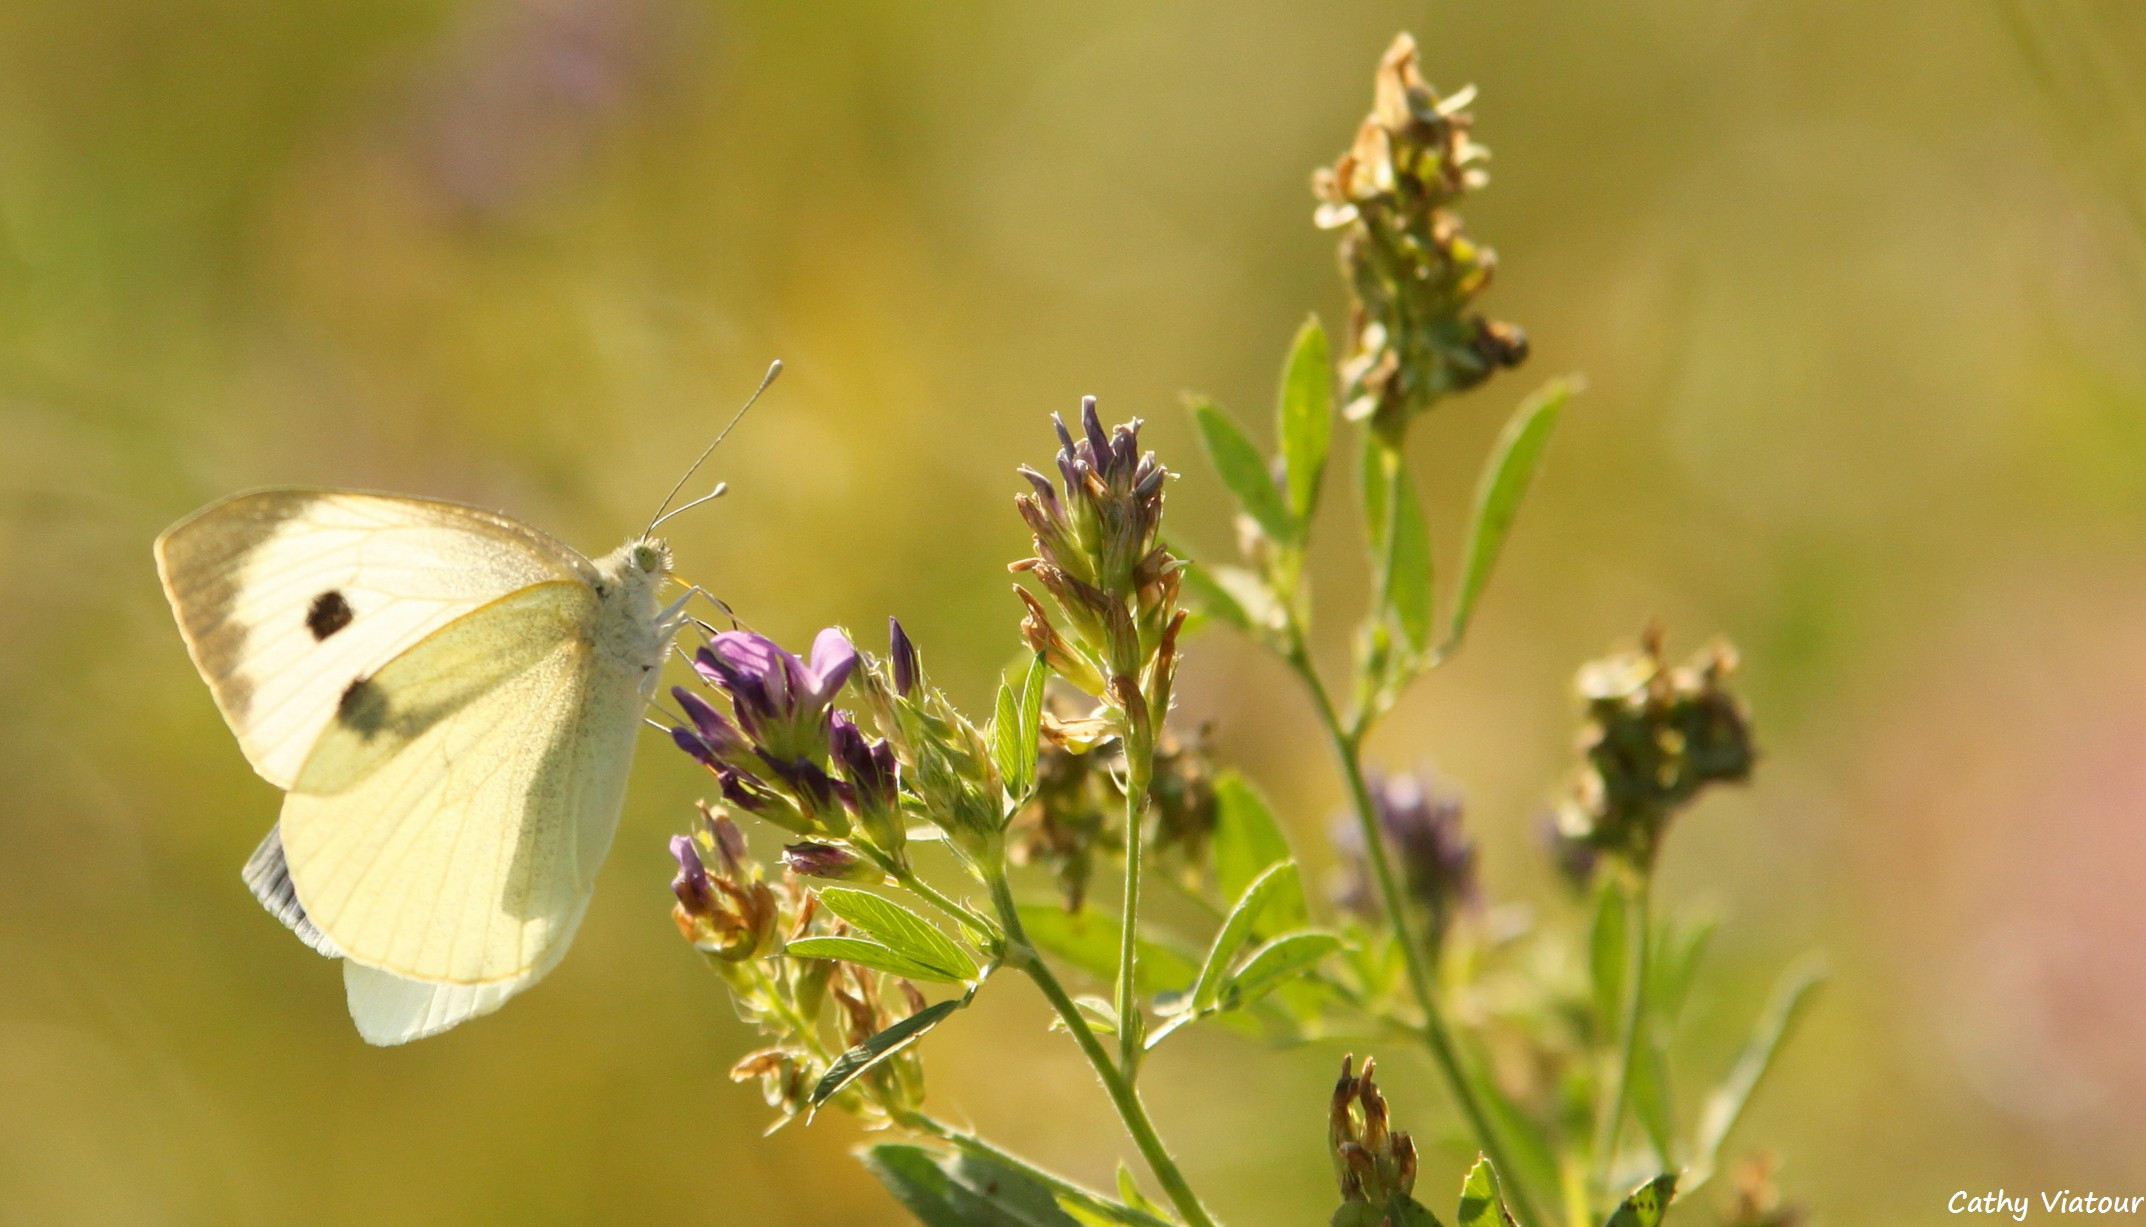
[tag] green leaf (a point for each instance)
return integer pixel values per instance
(1236, 930)
(1379, 463)
(852, 1065)
(1260, 605)
(1027, 713)
(1105, 1214)
(1408, 568)
(913, 1175)
(1408, 1212)
(1678, 951)
(1481, 1205)
(1005, 736)
(1608, 957)
(1275, 962)
(963, 1191)
(907, 933)
(1651, 1103)
(869, 954)
(1246, 843)
(1646, 1204)
(1239, 465)
(1791, 997)
(1401, 1211)
(1306, 416)
(1205, 594)
(1129, 1193)
(1505, 480)
(1089, 941)
(1527, 1146)
(1102, 1016)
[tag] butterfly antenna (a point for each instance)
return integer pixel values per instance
(774, 368)
(721, 488)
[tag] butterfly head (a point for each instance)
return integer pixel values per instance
(651, 556)
(635, 571)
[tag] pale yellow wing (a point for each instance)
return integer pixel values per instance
(285, 597)
(449, 823)
(390, 1009)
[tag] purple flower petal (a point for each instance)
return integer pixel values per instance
(691, 885)
(1092, 426)
(748, 653)
(905, 655)
(730, 843)
(687, 856)
(718, 734)
(690, 742)
(832, 659)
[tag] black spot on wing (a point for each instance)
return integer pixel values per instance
(269, 878)
(362, 709)
(329, 614)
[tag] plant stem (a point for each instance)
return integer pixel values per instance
(1629, 1027)
(962, 1139)
(806, 1030)
(1348, 750)
(1020, 954)
(1139, 767)
(983, 929)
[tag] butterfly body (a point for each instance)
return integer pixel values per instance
(450, 700)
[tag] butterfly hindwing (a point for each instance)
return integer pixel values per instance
(269, 877)
(448, 825)
(392, 1009)
(285, 597)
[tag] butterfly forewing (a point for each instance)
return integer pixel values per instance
(449, 825)
(286, 597)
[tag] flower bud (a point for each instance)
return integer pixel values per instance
(813, 859)
(1655, 737)
(869, 772)
(731, 914)
(1414, 336)
(903, 654)
(696, 894)
(1372, 1161)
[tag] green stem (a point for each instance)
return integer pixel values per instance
(1139, 766)
(982, 929)
(1630, 1027)
(1020, 954)
(962, 1139)
(1348, 750)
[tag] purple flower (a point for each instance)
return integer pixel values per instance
(867, 766)
(712, 739)
(904, 653)
(1105, 522)
(696, 894)
(814, 859)
(817, 793)
(780, 701)
(1422, 828)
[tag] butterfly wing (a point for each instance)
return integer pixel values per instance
(449, 823)
(268, 876)
(285, 597)
(391, 1009)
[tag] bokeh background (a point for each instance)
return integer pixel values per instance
(1857, 288)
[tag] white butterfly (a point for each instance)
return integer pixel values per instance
(450, 700)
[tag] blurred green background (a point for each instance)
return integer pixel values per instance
(1857, 288)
